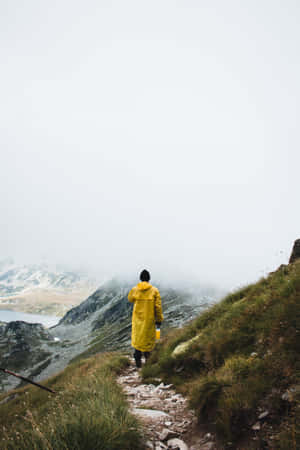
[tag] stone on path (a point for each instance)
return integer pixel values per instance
(263, 415)
(160, 446)
(167, 434)
(256, 426)
(177, 444)
(149, 413)
(207, 446)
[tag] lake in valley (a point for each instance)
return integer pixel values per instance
(10, 316)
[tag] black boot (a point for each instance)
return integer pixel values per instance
(138, 358)
(138, 363)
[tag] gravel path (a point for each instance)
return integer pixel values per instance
(168, 422)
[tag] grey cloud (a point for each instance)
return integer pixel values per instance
(160, 134)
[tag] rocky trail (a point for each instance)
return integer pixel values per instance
(167, 421)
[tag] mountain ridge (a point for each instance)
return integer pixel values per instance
(41, 289)
(100, 323)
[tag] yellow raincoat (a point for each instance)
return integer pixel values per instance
(146, 311)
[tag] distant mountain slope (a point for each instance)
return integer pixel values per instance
(107, 313)
(40, 289)
(103, 322)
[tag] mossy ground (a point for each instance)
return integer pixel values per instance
(87, 412)
(245, 357)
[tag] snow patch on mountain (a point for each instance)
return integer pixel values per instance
(31, 288)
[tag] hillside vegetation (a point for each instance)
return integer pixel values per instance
(87, 412)
(238, 363)
(240, 359)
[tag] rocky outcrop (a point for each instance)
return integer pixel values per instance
(295, 252)
(184, 346)
(23, 331)
(23, 346)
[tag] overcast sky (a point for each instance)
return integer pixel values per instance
(158, 134)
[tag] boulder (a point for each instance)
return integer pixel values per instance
(295, 252)
(184, 346)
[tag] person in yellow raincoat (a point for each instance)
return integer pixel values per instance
(147, 312)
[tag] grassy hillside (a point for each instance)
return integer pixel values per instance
(88, 411)
(239, 359)
(238, 362)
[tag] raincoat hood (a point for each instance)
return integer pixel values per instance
(144, 285)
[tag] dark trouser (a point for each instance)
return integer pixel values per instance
(138, 357)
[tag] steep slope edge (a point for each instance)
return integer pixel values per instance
(239, 363)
